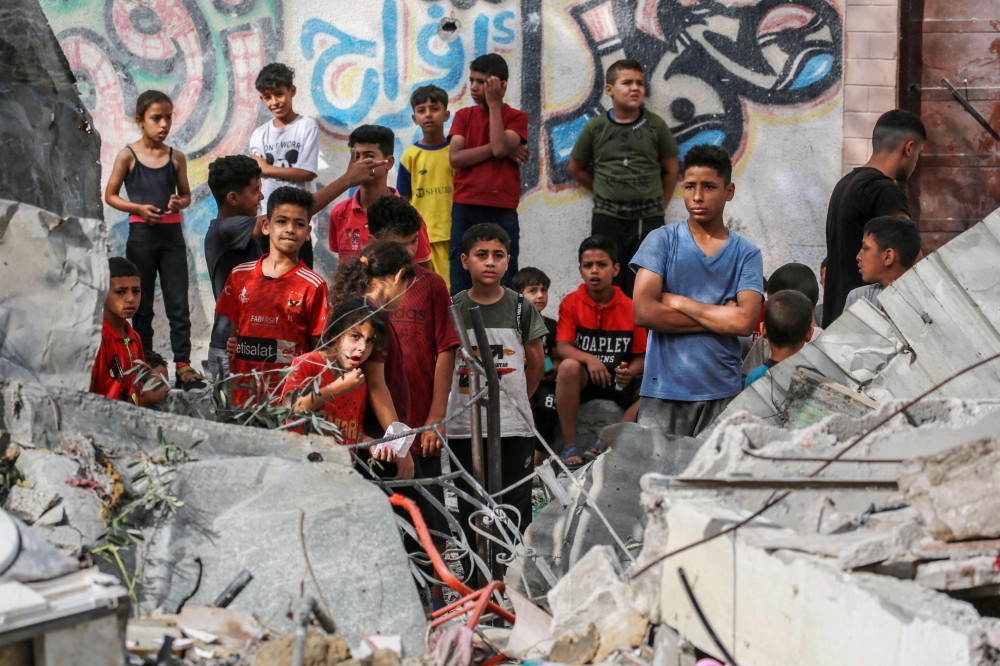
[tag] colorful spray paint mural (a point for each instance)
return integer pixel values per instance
(711, 65)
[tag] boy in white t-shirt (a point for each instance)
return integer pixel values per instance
(287, 147)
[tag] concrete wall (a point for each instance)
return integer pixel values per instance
(762, 78)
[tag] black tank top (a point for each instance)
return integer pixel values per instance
(146, 185)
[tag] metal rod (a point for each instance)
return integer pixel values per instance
(494, 470)
(960, 98)
(860, 461)
(704, 620)
(494, 479)
(475, 426)
(233, 590)
(677, 483)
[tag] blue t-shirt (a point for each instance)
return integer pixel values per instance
(696, 366)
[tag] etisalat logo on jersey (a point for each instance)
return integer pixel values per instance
(500, 359)
(265, 350)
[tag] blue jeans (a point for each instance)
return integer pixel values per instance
(465, 216)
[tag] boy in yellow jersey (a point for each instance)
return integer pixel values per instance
(425, 176)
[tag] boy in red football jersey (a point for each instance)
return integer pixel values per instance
(603, 352)
(277, 306)
(120, 345)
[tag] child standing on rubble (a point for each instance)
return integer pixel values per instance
(155, 178)
(330, 380)
(113, 375)
(277, 306)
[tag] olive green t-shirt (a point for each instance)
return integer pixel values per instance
(627, 161)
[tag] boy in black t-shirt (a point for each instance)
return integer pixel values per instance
(232, 238)
(629, 159)
(533, 284)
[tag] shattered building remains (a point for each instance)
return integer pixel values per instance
(842, 511)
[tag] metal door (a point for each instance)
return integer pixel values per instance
(952, 43)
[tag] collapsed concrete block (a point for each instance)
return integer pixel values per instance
(53, 283)
(51, 156)
(48, 473)
(246, 514)
(591, 592)
(958, 491)
(564, 535)
(960, 574)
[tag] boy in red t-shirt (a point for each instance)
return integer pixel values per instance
(487, 148)
(349, 218)
(120, 345)
(426, 332)
(603, 352)
(277, 306)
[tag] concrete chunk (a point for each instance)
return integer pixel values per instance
(591, 593)
(960, 574)
(957, 491)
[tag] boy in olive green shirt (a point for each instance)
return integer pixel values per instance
(634, 164)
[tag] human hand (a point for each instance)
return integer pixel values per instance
(623, 376)
(521, 154)
(231, 347)
(261, 162)
(150, 213)
(598, 372)
(174, 205)
(430, 442)
(348, 383)
(404, 467)
(383, 453)
(495, 90)
(362, 171)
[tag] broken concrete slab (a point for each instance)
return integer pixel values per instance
(349, 530)
(960, 574)
(563, 535)
(30, 504)
(591, 591)
(48, 473)
(957, 491)
(53, 283)
(36, 559)
(51, 149)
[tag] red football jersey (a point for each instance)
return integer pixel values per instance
(606, 331)
(272, 320)
(349, 230)
(116, 356)
(345, 411)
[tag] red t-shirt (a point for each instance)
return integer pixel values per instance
(116, 356)
(497, 181)
(395, 380)
(345, 411)
(425, 330)
(272, 321)
(606, 331)
(349, 230)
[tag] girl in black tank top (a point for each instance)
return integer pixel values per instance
(156, 181)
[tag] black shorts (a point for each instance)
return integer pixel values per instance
(624, 398)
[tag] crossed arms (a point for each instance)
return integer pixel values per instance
(669, 313)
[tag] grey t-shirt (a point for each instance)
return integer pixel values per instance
(507, 347)
(869, 292)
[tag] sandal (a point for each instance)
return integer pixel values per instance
(596, 450)
(571, 452)
(188, 378)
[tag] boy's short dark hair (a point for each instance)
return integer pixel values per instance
(155, 360)
(894, 128)
(788, 314)
(598, 243)
(290, 195)
(797, 277)
(393, 216)
(231, 173)
(898, 233)
(122, 267)
(530, 277)
(491, 64)
(273, 76)
(714, 157)
(149, 98)
(428, 94)
(374, 134)
(481, 233)
(618, 66)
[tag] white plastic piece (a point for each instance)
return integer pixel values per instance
(399, 446)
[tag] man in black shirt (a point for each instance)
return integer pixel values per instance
(232, 238)
(865, 193)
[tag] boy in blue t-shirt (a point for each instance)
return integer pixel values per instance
(698, 286)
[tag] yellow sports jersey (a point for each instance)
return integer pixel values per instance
(425, 175)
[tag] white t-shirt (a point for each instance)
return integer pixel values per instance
(294, 145)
